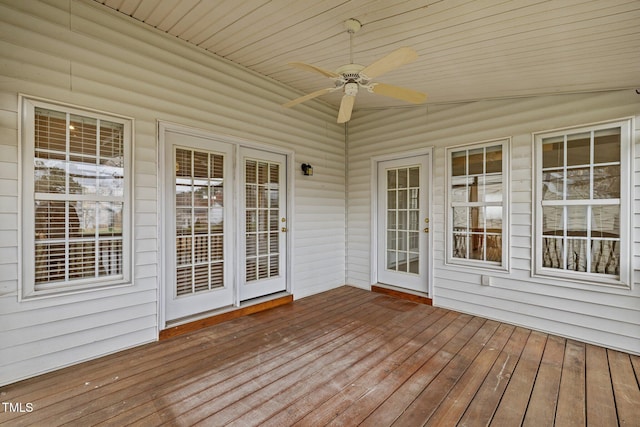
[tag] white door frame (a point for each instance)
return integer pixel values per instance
(373, 251)
(166, 126)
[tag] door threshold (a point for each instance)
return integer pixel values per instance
(402, 293)
(203, 320)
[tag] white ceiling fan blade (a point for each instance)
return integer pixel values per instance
(395, 59)
(308, 97)
(314, 69)
(346, 106)
(398, 92)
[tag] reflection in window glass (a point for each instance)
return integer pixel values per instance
(580, 183)
(476, 198)
(199, 221)
(79, 189)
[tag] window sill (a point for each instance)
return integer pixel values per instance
(477, 265)
(34, 295)
(581, 279)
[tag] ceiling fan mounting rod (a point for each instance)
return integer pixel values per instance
(353, 26)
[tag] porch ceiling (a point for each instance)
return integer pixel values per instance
(468, 50)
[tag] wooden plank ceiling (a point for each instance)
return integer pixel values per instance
(468, 49)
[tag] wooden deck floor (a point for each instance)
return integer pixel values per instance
(343, 357)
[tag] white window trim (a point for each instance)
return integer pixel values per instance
(26, 136)
(626, 159)
(506, 203)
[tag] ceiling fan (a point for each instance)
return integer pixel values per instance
(351, 77)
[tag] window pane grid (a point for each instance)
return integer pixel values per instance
(476, 203)
(199, 201)
(74, 226)
(262, 216)
(402, 221)
(581, 202)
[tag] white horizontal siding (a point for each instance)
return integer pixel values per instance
(599, 314)
(82, 53)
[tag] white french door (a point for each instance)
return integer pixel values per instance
(224, 222)
(263, 242)
(198, 225)
(403, 222)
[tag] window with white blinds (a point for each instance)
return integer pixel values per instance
(76, 182)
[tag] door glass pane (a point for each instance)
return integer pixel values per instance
(391, 260)
(199, 219)
(392, 178)
(402, 178)
(414, 222)
(262, 215)
(414, 177)
(414, 241)
(402, 240)
(402, 219)
(392, 223)
(403, 204)
(402, 262)
(392, 199)
(402, 199)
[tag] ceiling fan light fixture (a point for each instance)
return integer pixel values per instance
(351, 89)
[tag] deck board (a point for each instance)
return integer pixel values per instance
(600, 404)
(344, 357)
(571, 407)
(626, 393)
(542, 404)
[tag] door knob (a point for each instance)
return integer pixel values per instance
(426, 229)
